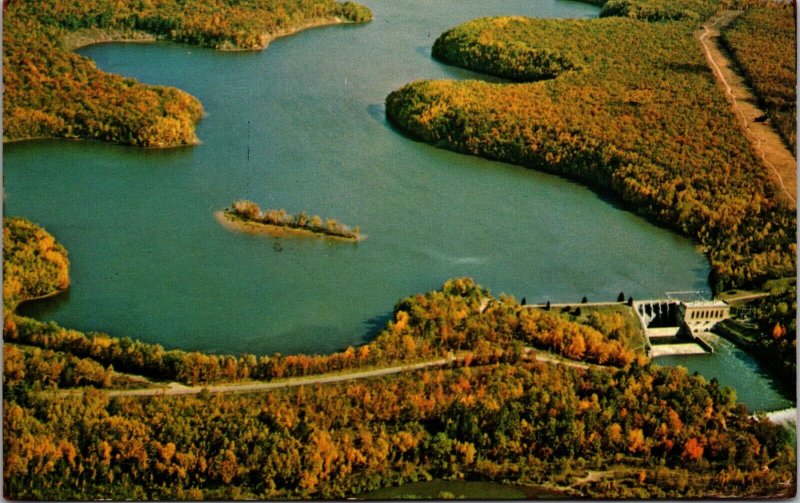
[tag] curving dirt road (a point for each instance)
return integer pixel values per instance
(180, 389)
(778, 159)
(174, 388)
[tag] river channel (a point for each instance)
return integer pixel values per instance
(301, 126)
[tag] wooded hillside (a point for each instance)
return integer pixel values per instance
(633, 109)
(497, 417)
(52, 92)
(661, 432)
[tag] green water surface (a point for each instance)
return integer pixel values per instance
(301, 126)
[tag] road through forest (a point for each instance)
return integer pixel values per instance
(768, 145)
(174, 388)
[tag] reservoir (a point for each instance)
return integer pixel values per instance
(301, 126)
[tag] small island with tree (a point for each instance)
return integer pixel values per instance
(247, 216)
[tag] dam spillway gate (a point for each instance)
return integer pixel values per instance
(678, 327)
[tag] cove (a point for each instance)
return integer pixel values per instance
(301, 125)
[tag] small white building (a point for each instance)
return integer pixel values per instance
(704, 314)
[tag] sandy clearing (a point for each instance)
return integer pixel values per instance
(768, 145)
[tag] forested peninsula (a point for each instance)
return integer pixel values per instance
(627, 105)
(50, 92)
(506, 393)
(498, 412)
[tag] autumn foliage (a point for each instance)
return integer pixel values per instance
(659, 10)
(496, 417)
(48, 368)
(249, 211)
(34, 264)
(769, 31)
(526, 423)
(633, 109)
(248, 24)
(52, 92)
(775, 318)
(424, 327)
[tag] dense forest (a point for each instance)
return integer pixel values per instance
(34, 265)
(658, 432)
(499, 415)
(248, 211)
(761, 31)
(660, 137)
(244, 24)
(52, 92)
(771, 334)
(634, 110)
(625, 105)
(658, 10)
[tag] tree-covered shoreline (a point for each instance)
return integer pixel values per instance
(51, 92)
(658, 432)
(642, 117)
(631, 109)
(460, 318)
(500, 415)
(34, 266)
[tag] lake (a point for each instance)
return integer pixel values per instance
(301, 126)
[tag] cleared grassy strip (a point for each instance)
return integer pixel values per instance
(763, 43)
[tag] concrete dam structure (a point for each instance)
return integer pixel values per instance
(676, 325)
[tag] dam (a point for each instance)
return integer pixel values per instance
(678, 324)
